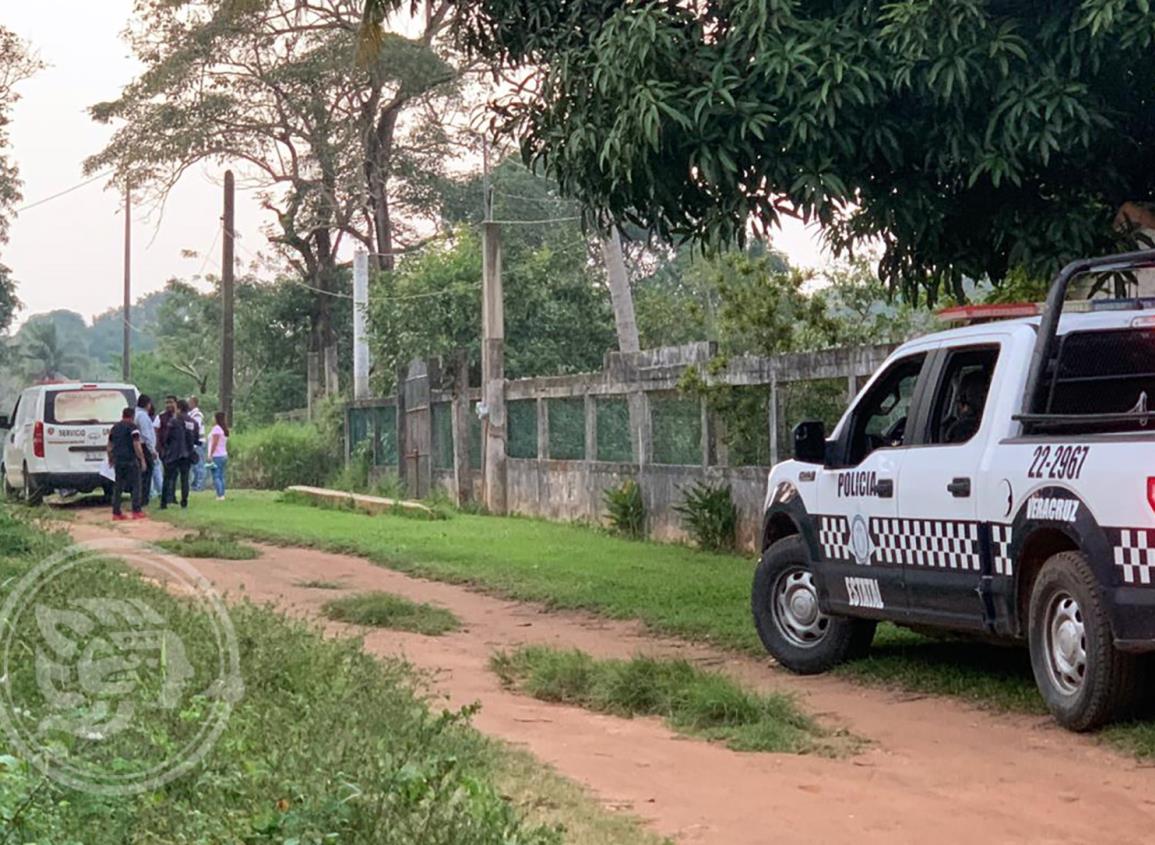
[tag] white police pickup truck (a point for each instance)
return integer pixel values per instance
(997, 479)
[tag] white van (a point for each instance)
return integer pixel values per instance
(57, 437)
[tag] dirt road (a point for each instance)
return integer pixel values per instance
(936, 770)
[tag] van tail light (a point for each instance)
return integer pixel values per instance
(1151, 492)
(38, 445)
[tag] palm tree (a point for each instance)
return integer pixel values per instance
(47, 355)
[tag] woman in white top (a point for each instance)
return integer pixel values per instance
(219, 453)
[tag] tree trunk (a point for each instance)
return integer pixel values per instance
(378, 163)
(620, 294)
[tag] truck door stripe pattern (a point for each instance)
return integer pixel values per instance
(1134, 554)
(932, 543)
(1001, 546)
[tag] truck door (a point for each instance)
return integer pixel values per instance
(939, 533)
(857, 495)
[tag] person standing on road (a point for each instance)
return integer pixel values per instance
(219, 452)
(198, 468)
(127, 459)
(158, 464)
(165, 418)
(144, 425)
(177, 451)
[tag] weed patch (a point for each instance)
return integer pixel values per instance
(319, 584)
(209, 545)
(385, 610)
(691, 700)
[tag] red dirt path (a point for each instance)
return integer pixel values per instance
(936, 770)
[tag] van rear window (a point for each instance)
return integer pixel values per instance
(86, 407)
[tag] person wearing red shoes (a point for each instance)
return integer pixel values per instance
(127, 459)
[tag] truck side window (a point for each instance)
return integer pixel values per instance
(962, 395)
(880, 418)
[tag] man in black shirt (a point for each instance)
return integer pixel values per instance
(127, 460)
(178, 450)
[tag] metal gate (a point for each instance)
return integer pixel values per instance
(418, 430)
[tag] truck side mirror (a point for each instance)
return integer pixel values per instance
(810, 442)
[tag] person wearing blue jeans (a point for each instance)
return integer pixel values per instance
(198, 468)
(219, 452)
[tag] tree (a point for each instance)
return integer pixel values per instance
(557, 315)
(969, 137)
(271, 84)
(17, 63)
(50, 354)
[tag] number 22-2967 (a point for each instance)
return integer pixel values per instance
(1059, 462)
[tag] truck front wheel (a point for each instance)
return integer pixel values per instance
(1083, 679)
(792, 627)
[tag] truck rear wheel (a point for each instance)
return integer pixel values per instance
(1083, 678)
(790, 624)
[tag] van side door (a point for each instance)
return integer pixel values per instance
(938, 535)
(857, 494)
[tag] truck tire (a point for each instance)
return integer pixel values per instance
(11, 494)
(1084, 680)
(792, 628)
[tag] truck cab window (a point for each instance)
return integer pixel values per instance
(962, 395)
(880, 418)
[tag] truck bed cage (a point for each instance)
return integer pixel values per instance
(1037, 404)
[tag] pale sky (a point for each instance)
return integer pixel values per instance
(68, 253)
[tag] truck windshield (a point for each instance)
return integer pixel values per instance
(1102, 372)
(86, 406)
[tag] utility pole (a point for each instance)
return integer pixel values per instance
(126, 360)
(493, 364)
(227, 290)
(360, 341)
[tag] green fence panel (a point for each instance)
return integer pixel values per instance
(567, 429)
(744, 429)
(821, 399)
(676, 423)
(443, 435)
(521, 418)
(375, 428)
(613, 414)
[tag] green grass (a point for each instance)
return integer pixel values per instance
(385, 610)
(325, 744)
(209, 545)
(673, 589)
(691, 700)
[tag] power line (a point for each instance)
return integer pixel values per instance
(536, 222)
(65, 192)
(209, 251)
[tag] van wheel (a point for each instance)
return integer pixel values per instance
(790, 624)
(32, 494)
(1083, 679)
(11, 494)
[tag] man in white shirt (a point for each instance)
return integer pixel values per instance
(198, 469)
(148, 445)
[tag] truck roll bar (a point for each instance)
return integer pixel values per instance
(1053, 310)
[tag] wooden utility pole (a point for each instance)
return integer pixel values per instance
(493, 368)
(126, 351)
(227, 293)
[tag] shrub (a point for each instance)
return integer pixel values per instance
(281, 455)
(627, 511)
(710, 517)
